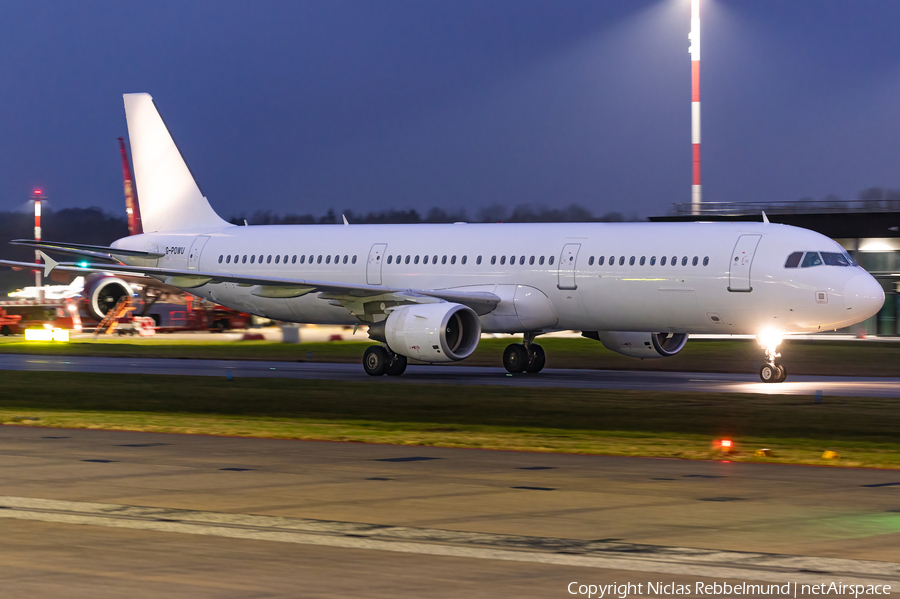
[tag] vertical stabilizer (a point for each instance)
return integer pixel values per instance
(168, 197)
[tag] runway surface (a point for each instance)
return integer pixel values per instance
(108, 513)
(691, 382)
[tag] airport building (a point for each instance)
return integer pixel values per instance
(868, 229)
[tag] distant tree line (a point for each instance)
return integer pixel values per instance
(523, 213)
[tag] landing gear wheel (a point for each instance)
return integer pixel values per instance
(768, 373)
(781, 373)
(536, 359)
(515, 358)
(396, 366)
(375, 360)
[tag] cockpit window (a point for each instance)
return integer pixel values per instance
(834, 259)
(811, 259)
(793, 260)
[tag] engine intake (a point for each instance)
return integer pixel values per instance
(440, 332)
(640, 345)
(102, 293)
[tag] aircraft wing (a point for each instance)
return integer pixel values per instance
(79, 249)
(278, 287)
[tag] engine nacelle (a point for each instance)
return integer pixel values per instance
(440, 332)
(641, 345)
(103, 292)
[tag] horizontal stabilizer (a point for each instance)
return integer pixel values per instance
(79, 249)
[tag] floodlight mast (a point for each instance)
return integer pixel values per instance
(37, 196)
(694, 37)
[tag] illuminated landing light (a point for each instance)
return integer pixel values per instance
(769, 339)
(723, 445)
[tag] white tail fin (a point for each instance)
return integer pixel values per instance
(169, 198)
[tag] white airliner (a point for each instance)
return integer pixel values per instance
(53, 292)
(427, 291)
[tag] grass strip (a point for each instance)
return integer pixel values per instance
(585, 421)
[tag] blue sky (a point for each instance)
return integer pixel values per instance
(303, 106)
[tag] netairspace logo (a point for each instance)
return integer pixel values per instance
(661, 589)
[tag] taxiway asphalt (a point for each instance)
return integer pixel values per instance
(107, 513)
(691, 382)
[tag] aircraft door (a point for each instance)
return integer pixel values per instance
(373, 267)
(567, 261)
(196, 250)
(741, 260)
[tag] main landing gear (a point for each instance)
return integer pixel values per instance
(379, 360)
(524, 357)
(771, 371)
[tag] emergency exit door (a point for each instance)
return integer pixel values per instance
(195, 251)
(567, 261)
(373, 268)
(741, 261)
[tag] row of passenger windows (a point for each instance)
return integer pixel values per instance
(601, 260)
(452, 259)
(279, 259)
(817, 259)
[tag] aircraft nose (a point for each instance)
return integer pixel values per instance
(863, 295)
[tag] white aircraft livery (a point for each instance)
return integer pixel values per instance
(427, 292)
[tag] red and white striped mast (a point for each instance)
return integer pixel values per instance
(694, 36)
(37, 196)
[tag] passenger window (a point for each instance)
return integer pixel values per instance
(434, 260)
(302, 259)
(244, 259)
(277, 259)
(652, 260)
(311, 258)
(228, 259)
(502, 260)
(793, 261)
(452, 259)
(327, 259)
(294, 259)
(221, 258)
(477, 260)
(550, 261)
(512, 260)
(643, 260)
(694, 261)
(521, 260)
(706, 261)
(463, 260)
(601, 260)
(591, 261)
(390, 259)
(631, 261)
(541, 260)
(674, 260)
(684, 261)
(531, 261)
(444, 260)
(407, 259)
(252, 259)
(346, 257)
(662, 261)
(811, 259)
(319, 259)
(416, 261)
(353, 260)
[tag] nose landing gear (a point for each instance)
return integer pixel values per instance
(771, 371)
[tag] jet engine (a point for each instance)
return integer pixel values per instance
(641, 345)
(440, 332)
(102, 292)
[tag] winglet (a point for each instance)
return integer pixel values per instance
(49, 263)
(345, 220)
(765, 218)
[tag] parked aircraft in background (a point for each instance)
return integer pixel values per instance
(427, 292)
(51, 292)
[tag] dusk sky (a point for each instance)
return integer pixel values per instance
(303, 106)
